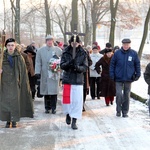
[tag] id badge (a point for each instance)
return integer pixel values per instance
(129, 58)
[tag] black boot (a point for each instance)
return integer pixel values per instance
(14, 124)
(7, 124)
(73, 125)
(53, 111)
(83, 109)
(68, 119)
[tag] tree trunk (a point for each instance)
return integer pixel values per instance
(144, 33)
(4, 14)
(48, 25)
(113, 10)
(12, 17)
(65, 28)
(94, 20)
(17, 21)
(74, 21)
(94, 32)
(87, 39)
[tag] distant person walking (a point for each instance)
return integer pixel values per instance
(94, 76)
(124, 69)
(108, 89)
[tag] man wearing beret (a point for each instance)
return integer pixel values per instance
(48, 86)
(73, 80)
(124, 69)
(15, 93)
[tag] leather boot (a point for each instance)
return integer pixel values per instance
(73, 125)
(68, 119)
(14, 124)
(7, 124)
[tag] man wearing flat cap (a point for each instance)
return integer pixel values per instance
(73, 80)
(48, 86)
(124, 69)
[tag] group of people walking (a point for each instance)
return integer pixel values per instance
(107, 73)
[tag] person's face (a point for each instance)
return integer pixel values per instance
(109, 54)
(33, 44)
(126, 46)
(11, 47)
(77, 44)
(49, 42)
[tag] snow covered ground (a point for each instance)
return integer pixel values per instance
(99, 129)
(140, 87)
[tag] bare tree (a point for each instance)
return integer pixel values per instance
(4, 14)
(113, 10)
(144, 33)
(98, 11)
(17, 19)
(48, 23)
(63, 18)
(88, 23)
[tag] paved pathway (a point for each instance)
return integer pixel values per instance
(99, 129)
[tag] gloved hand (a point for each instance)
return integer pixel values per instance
(136, 78)
(37, 76)
(77, 69)
(72, 63)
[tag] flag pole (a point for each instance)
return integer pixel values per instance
(2, 36)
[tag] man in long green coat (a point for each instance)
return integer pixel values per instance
(15, 93)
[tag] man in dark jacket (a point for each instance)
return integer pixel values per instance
(124, 69)
(147, 80)
(73, 81)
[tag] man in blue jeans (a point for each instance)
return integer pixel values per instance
(124, 69)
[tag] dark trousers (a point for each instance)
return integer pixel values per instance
(123, 96)
(50, 102)
(94, 81)
(32, 84)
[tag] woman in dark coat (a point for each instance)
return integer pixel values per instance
(31, 73)
(108, 85)
(15, 93)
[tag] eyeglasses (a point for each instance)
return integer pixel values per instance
(12, 45)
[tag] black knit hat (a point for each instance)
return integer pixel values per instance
(95, 47)
(107, 50)
(9, 40)
(108, 45)
(29, 49)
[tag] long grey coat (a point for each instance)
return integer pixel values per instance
(48, 86)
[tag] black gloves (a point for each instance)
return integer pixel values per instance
(135, 78)
(37, 76)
